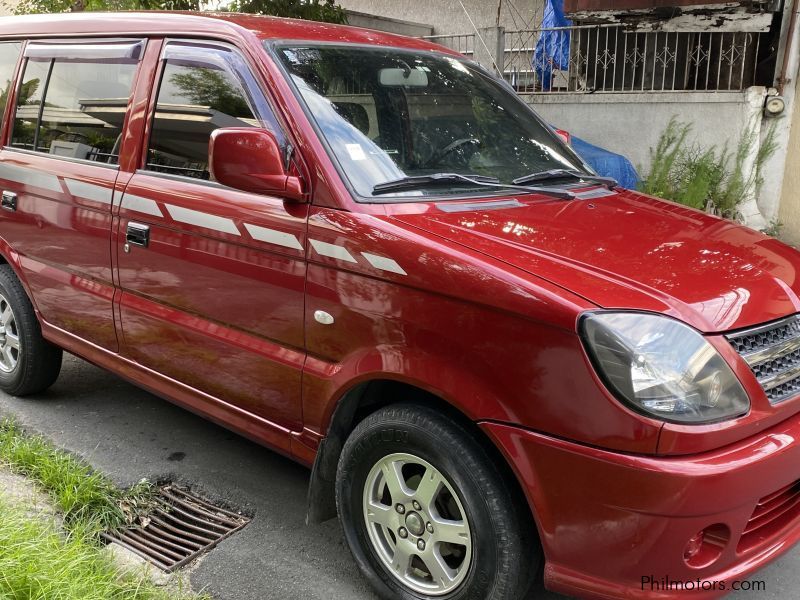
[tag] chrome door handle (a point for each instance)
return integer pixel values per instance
(137, 234)
(9, 201)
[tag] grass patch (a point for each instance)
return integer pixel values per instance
(88, 501)
(40, 561)
(37, 562)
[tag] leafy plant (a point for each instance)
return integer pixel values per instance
(707, 178)
(315, 10)
(773, 229)
(27, 7)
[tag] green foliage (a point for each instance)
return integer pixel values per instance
(37, 562)
(89, 502)
(664, 158)
(773, 229)
(210, 88)
(313, 10)
(27, 7)
(707, 178)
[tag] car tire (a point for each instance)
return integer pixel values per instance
(28, 363)
(453, 528)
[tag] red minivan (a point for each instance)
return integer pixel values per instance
(364, 251)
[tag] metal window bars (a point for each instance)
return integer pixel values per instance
(463, 43)
(611, 58)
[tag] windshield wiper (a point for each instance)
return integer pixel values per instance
(423, 181)
(553, 174)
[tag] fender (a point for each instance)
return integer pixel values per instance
(376, 377)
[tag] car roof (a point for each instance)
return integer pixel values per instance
(202, 24)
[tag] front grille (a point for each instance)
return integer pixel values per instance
(771, 515)
(773, 353)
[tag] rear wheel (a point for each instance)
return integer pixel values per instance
(28, 363)
(426, 513)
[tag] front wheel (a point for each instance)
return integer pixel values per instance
(426, 513)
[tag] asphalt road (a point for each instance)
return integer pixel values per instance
(130, 434)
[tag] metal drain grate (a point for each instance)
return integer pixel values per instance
(179, 529)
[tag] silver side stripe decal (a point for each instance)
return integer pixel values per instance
(48, 181)
(383, 263)
(273, 236)
(201, 219)
(142, 205)
(332, 251)
(27, 176)
(98, 193)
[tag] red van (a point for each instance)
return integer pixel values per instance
(365, 252)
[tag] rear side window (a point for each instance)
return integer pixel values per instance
(9, 55)
(202, 88)
(74, 106)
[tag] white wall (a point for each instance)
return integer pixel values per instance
(631, 123)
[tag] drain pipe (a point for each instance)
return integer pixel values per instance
(787, 54)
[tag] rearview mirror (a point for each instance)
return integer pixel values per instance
(397, 77)
(250, 159)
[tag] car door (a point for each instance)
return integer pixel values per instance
(212, 279)
(57, 175)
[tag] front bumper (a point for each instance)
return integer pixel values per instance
(617, 526)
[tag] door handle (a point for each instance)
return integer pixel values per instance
(9, 201)
(137, 234)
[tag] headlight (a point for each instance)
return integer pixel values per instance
(662, 368)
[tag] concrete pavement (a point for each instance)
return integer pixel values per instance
(128, 434)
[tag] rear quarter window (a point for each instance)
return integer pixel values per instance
(73, 107)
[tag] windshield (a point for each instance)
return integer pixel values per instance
(390, 114)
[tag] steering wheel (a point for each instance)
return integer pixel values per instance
(437, 156)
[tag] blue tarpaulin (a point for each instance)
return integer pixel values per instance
(552, 49)
(607, 163)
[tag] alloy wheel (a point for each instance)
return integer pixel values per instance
(9, 337)
(417, 524)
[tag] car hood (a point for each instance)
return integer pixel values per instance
(628, 251)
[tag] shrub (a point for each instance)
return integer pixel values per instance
(707, 178)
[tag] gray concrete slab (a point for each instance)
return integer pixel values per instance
(130, 434)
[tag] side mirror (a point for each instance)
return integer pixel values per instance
(250, 159)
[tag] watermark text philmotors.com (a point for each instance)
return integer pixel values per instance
(666, 583)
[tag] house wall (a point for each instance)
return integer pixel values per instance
(578, 5)
(447, 16)
(790, 197)
(399, 26)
